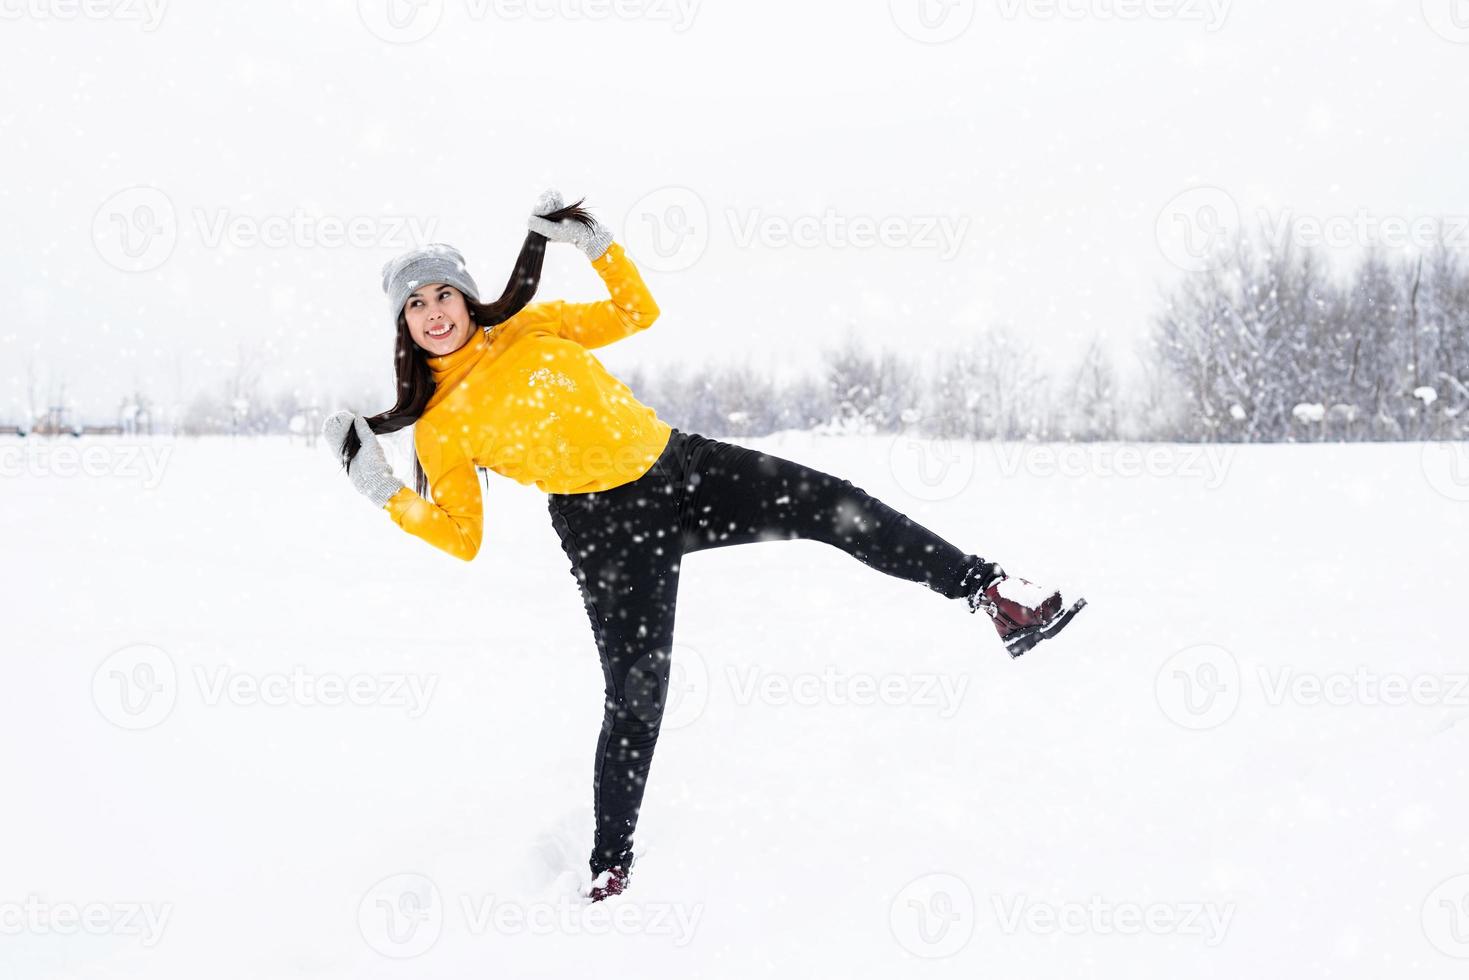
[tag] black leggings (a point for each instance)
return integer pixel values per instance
(626, 545)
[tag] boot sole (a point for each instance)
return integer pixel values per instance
(1023, 640)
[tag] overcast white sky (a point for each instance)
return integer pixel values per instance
(1026, 159)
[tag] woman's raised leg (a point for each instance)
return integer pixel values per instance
(732, 494)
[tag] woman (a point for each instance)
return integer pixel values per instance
(511, 386)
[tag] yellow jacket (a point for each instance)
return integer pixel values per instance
(527, 399)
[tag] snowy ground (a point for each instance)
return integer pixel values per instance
(1245, 758)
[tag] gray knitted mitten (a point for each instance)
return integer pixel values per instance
(369, 471)
(593, 241)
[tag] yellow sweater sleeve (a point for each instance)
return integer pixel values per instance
(630, 309)
(454, 522)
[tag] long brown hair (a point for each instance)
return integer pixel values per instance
(415, 380)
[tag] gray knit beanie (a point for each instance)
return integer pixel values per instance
(435, 262)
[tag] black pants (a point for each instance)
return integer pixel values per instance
(626, 545)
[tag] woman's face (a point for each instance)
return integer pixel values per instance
(438, 318)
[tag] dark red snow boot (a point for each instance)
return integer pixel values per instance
(1023, 612)
(608, 883)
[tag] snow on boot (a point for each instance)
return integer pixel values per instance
(1023, 612)
(608, 883)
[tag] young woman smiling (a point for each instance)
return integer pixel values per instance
(512, 386)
